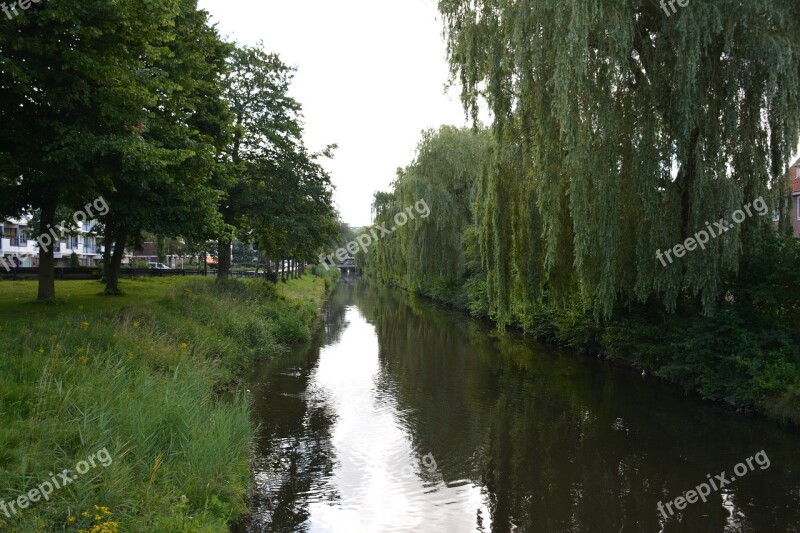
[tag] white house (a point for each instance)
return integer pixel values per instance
(18, 245)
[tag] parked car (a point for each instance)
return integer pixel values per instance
(158, 266)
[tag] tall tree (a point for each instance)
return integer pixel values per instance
(267, 125)
(71, 94)
(429, 254)
(622, 130)
(166, 184)
(276, 193)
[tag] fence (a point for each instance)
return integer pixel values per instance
(89, 273)
(95, 273)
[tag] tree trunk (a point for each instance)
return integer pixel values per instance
(224, 266)
(112, 281)
(686, 182)
(108, 240)
(47, 262)
(268, 270)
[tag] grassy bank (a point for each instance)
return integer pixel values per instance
(151, 379)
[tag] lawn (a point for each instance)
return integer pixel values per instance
(18, 298)
(151, 380)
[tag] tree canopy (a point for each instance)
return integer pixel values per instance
(277, 194)
(620, 131)
(183, 134)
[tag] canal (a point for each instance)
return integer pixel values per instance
(401, 416)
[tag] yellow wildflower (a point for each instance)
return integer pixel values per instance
(84, 325)
(184, 346)
(83, 359)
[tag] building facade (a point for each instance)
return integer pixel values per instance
(150, 253)
(19, 246)
(794, 211)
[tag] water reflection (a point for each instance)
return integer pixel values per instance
(404, 417)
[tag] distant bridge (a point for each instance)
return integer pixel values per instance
(348, 266)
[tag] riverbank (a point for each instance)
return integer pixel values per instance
(746, 356)
(136, 400)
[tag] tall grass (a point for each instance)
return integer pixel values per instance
(155, 384)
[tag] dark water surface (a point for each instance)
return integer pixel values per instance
(404, 417)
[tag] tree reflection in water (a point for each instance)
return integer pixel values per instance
(525, 437)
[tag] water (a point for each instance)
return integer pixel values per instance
(404, 417)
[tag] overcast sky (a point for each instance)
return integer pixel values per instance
(370, 76)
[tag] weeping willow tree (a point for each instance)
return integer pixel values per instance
(622, 129)
(428, 253)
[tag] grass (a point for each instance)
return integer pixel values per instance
(18, 298)
(151, 377)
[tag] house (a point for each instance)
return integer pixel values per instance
(19, 246)
(169, 255)
(794, 210)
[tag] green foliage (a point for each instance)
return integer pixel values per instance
(427, 254)
(181, 133)
(746, 354)
(621, 131)
(152, 383)
(165, 184)
(276, 194)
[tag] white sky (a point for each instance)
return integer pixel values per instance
(370, 76)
